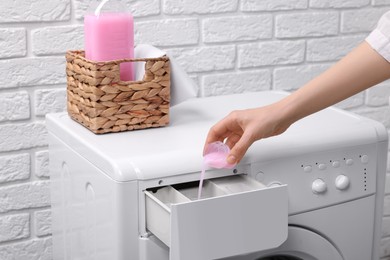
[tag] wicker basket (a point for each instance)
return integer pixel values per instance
(101, 102)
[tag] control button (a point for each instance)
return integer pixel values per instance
(349, 162)
(318, 186)
(336, 164)
(364, 159)
(342, 182)
(307, 168)
(322, 166)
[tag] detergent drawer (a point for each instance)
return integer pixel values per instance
(235, 215)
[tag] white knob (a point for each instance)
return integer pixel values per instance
(342, 182)
(318, 186)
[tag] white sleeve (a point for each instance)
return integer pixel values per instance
(379, 38)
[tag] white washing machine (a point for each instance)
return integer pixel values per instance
(313, 193)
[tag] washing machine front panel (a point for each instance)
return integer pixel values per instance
(122, 163)
(322, 179)
(301, 244)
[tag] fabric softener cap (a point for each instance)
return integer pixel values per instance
(216, 155)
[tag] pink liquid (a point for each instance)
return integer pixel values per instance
(214, 160)
(201, 180)
(110, 36)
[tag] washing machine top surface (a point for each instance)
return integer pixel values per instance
(177, 149)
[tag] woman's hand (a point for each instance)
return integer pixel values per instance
(360, 69)
(243, 127)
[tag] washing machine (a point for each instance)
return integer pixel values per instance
(314, 193)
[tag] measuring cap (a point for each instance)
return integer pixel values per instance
(216, 155)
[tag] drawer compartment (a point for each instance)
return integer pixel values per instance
(235, 215)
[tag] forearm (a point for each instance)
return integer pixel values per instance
(360, 69)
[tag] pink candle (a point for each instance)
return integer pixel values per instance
(110, 36)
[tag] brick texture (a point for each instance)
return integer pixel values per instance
(13, 42)
(138, 8)
(331, 49)
(14, 106)
(263, 54)
(205, 58)
(306, 24)
(57, 39)
(378, 95)
(380, 2)
(338, 4)
(237, 28)
(290, 78)
(360, 20)
(43, 223)
(273, 5)
(14, 227)
(199, 7)
(24, 196)
(227, 83)
(165, 32)
(22, 136)
(32, 71)
(14, 167)
(50, 101)
(35, 249)
(42, 164)
(34, 11)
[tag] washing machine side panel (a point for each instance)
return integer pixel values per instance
(57, 173)
(92, 215)
(348, 226)
(380, 193)
(126, 220)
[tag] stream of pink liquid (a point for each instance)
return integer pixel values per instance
(214, 160)
(201, 180)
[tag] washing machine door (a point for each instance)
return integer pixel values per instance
(301, 244)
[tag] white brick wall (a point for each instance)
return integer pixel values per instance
(304, 24)
(13, 227)
(164, 33)
(57, 39)
(198, 7)
(237, 28)
(14, 106)
(14, 167)
(331, 48)
(13, 42)
(227, 46)
(35, 11)
(269, 53)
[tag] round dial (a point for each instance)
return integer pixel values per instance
(342, 182)
(318, 186)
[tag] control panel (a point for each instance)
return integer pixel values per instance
(323, 178)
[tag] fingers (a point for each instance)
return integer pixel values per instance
(239, 149)
(232, 139)
(213, 136)
(218, 132)
(237, 137)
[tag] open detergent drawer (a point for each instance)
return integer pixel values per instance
(236, 215)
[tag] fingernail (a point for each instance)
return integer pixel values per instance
(231, 159)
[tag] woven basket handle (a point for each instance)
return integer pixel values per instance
(81, 54)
